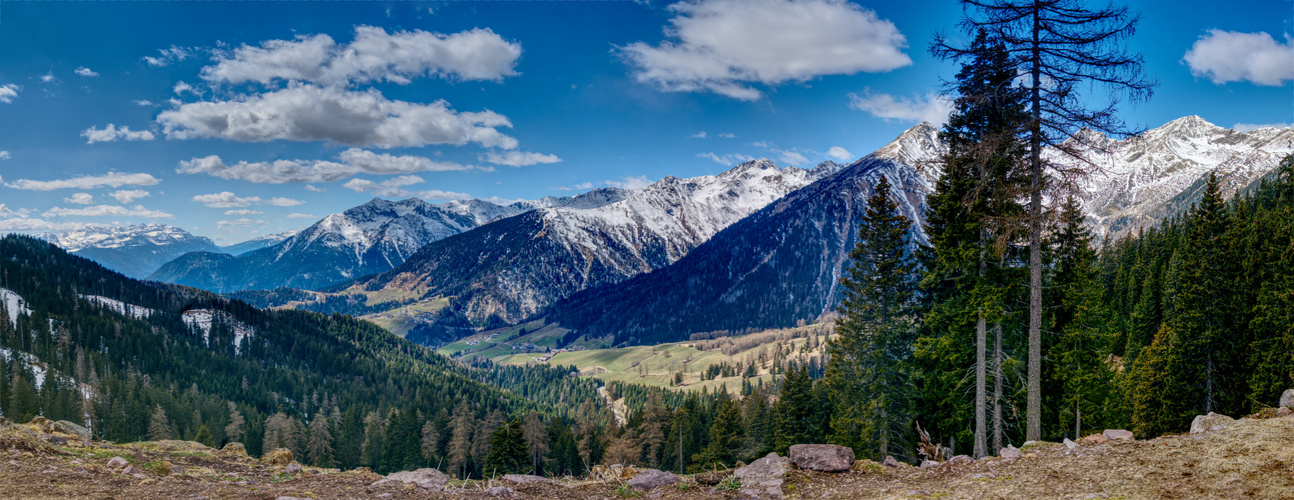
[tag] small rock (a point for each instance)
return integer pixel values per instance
(500, 491)
(279, 456)
(960, 461)
(1284, 411)
(925, 464)
(117, 463)
(527, 479)
(234, 449)
(73, 429)
(822, 457)
(1117, 434)
(1094, 439)
(1287, 398)
(1070, 444)
(293, 468)
(130, 470)
(58, 440)
(288, 498)
(427, 479)
(764, 477)
(986, 475)
(890, 462)
(1210, 422)
(916, 493)
(385, 495)
(1009, 452)
(176, 469)
(651, 478)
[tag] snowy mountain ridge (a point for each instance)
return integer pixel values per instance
(1144, 178)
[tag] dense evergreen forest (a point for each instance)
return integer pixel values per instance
(335, 390)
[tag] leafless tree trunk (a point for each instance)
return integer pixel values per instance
(997, 386)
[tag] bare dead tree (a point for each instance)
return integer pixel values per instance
(1059, 44)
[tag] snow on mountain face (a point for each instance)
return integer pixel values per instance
(134, 251)
(14, 305)
(515, 267)
(1138, 178)
(259, 242)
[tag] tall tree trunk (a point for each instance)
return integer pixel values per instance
(997, 386)
(981, 392)
(1033, 430)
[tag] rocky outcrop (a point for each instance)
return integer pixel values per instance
(764, 477)
(427, 479)
(650, 479)
(1118, 434)
(822, 457)
(1287, 399)
(1210, 422)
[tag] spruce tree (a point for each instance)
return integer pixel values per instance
(1059, 45)
(159, 427)
(868, 374)
(319, 447)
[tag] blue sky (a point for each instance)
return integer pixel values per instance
(232, 119)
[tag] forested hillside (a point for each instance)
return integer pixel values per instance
(135, 360)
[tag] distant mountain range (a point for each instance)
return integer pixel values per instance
(139, 250)
(368, 239)
(510, 269)
(487, 263)
(782, 264)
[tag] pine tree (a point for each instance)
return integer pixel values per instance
(430, 441)
(508, 454)
(868, 373)
(460, 440)
(374, 443)
(1059, 44)
(159, 428)
(204, 436)
(236, 428)
(319, 447)
(536, 441)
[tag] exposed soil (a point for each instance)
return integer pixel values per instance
(1254, 458)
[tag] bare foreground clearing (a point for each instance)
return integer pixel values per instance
(1254, 458)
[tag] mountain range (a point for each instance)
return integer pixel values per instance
(367, 239)
(139, 250)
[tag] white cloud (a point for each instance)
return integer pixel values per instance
(518, 158)
(244, 211)
(128, 196)
(226, 199)
(168, 56)
(313, 189)
(25, 225)
(1229, 56)
(840, 154)
(86, 72)
(4, 155)
(723, 45)
(142, 102)
(8, 92)
(630, 182)
(6, 212)
(698, 135)
(311, 113)
(112, 133)
(788, 156)
(1248, 127)
(932, 108)
(374, 55)
(726, 160)
(80, 199)
(283, 202)
(48, 77)
(243, 222)
(181, 87)
(111, 179)
(107, 211)
(728, 135)
(395, 188)
(350, 162)
(295, 215)
(580, 186)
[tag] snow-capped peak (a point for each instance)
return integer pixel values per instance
(121, 236)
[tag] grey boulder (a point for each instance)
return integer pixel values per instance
(764, 477)
(1210, 422)
(427, 479)
(822, 457)
(651, 478)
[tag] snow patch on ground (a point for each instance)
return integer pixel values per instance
(203, 319)
(134, 311)
(37, 368)
(14, 304)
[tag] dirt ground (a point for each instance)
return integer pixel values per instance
(1254, 458)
